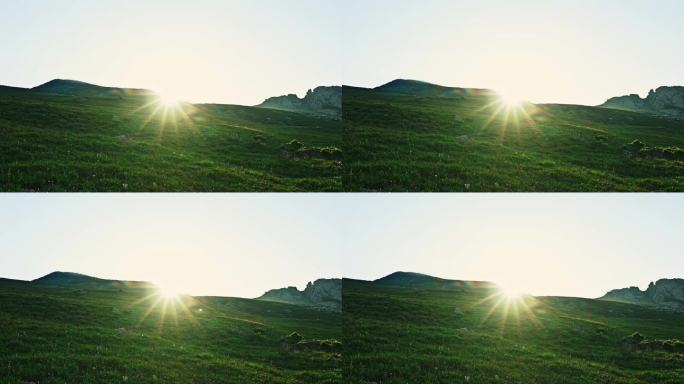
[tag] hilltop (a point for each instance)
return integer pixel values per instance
(664, 293)
(424, 89)
(664, 101)
(421, 281)
(322, 101)
(77, 280)
(79, 88)
(400, 334)
(322, 293)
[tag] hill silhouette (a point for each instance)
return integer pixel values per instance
(79, 88)
(77, 280)
(424, 89)
(422, 281)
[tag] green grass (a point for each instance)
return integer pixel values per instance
(70, 144)
(405, 143)
(404, 335)
(61, 335)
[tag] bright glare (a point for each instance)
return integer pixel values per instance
(168, 101)
(511, 293)
(168, 292)
(510, 100)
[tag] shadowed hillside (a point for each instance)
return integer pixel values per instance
(418, 137)
(68, 136)
(74, 333)
(475, 334)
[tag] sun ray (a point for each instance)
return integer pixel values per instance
(509, 305)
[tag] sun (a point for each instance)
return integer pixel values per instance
(511, 101)
(168, 292)
(168, 101)
(511, 293)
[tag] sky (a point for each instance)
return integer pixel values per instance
(242, 245)
(225, 51)
(222, 245)
(241, 52)
(562, 51)
(543, 244)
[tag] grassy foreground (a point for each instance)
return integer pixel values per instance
(399, 142)
(117, 144)
(62, 335)
(403, 335)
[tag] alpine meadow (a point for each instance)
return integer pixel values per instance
(412, 136)
(69, 136)
(410, 328)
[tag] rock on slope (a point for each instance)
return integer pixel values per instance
(665, 293)
(664, 101)
(322, 293)
(322, 101)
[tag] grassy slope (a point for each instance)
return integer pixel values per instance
(401, 335)
(66, 143)
(55, 335)
(405, 143)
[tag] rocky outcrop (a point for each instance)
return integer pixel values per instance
(322, 101)
(322, 293)
(665, 293)
(664, 101)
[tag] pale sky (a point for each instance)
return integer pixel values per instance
(242, 245)
(565, 51)
(544, 244)
(228, 51)
(243, 51)
(224, 245)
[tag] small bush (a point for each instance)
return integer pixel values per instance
(292, 338)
